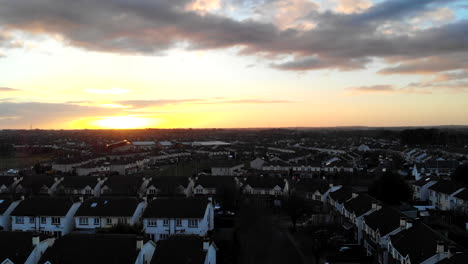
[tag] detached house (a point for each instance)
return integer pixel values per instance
(22, 247)
(49, 215)
(181, 249)
(165, 217)
(105, 212)
(99, 248)
(442, 194)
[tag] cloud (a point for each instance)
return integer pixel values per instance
(353, 6)
(335, 40)
(372, 89)
(6, 89)
(108, 91)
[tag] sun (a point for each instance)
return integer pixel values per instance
(123, 122)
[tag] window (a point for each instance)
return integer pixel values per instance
(123, 220)
(19, 220)
(56, 220)
(57, 234)
(166, 222)
(178, 222)
(199, 190)
(277, 192)
(88, 191)
(193, 223)
(152, 222)
(317, 197)
(43, 220)
(152, 191)
(163, 236)
(97, 221)
(83, 221)
(32, 219)
(109, 221)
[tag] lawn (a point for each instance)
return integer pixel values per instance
(21, 162)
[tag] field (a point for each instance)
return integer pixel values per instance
(21, 162)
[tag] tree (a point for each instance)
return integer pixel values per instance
(461, 174)
(391, 189)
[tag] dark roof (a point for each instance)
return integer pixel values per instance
(92, 248)
(460, 258)
(446, 187)
(180, 250)
(123, 185)
(34, 183)
(227, 163)
(425, 180)
(312, 185)
(165, 181)
(16, 246)
(5, 202)
(385, 220)
(44, 206)
(341, 195)
(78, 182)
(7, 180)
(194, 207)
(264, 182)
(419, 242)
(361, 204)
(108, 206)
(462, 195)
(213, 181)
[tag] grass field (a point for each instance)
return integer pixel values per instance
(21, 162)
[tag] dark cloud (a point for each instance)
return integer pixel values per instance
(340, 41)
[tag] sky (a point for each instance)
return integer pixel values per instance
(232, 63)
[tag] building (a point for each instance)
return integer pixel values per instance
(271, 186)
(22, 247)
(442, 193)
(99, 248)
(85, 186)
(7, 205)
(181, 249)
(169, 186)
(106, 212)
(227, 168)
(48, 215)
(165, 217)
(421, 188)
(356, 208)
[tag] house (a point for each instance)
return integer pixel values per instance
(7, 205)
(356, 208)
(421, 187)
(131, 165)
(208, 185)
(307, 167)
(36, 184)
(377, 228)
(227, 168)
(277, 165)
(272, 186)
(22, 247)
(165, 217)
(49, 215)
(418, 244)
(144, 145)
(460, 201)
(99, 248)
(313, 189)
(120, 146)
(180, 249)
(106, 212)
(257, 163)
(337, 198)
(442, 194)
(80, 185)
(8, 183)
(123, 185)
(167, 186)
(455, 258)
(93, 167)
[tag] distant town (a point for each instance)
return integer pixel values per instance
(228, 196)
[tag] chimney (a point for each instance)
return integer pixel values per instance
(409, 223)
(452, 250)
(206, 244)
(354, 195)
(210, 199)
(81, 199)
(440, 247)
(139, 242)
(330, 185)
(376, 205)
(403, 222)
(145, 198)
(35, 239)
(22, 197)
